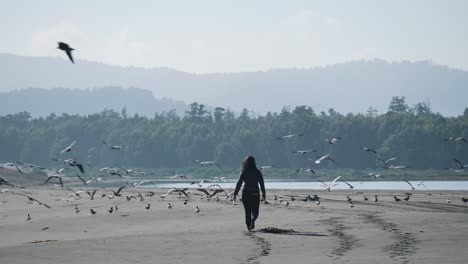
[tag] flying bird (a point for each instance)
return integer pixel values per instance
(91, 194)
(117, 193)
(456, 139)
(302, 152)
(324, 157)
(210, 163)
(32, 199)
(386, 162)
(68, 50)
(332, 184)
(289, 136)
(305, 170)
(412, 187)
(69, 148)
(368, 150)
(333, 141)
(74, 163)
(55, 177)
(460, 164)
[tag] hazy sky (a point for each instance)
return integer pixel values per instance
(225, 36)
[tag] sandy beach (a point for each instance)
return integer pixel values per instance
(426, 229)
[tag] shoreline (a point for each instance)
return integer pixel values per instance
(425, 229)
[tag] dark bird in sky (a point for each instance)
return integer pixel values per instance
(55, 177)
(74, 163)
(117, 193)
(32, 199)
(68, 50)
(91, 194)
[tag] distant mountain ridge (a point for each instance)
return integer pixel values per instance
(346, 87)
(42, 102)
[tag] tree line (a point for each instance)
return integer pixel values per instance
(414, 135)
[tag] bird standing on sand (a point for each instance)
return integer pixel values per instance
(396, 199)
(169, 206)
(366, 199)
(77, 210)
(28, 218)
(65, 47)
(91, 211)
(376, 199)
(406, 198)
(148, 207)
(111, 210)
(197, 210)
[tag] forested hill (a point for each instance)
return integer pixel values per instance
(415, 136)
(346, 87)
(42, 102)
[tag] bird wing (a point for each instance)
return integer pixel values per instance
(332, 184)
(120, 189)
(326, 185)
(408, 183)
(458, 162)
(204, 191)
(81, 179)
(69, 54)
(18, 169)
(387, 161)
(80, 167)
(349, 185)
(216, 192)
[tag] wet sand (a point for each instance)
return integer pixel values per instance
(426, 229)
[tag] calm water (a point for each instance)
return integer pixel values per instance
(358, 185)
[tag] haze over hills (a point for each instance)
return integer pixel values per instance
(346, 87)
(42, 102)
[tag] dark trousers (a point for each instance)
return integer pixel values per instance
(251, 203)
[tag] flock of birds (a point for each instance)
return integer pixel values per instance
(213, 191)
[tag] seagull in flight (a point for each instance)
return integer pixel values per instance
(138, 184)
(68, 50)
(74, 163)
(289, 136)
(113, 147)
(460, 164)
(333, 141)
(69, 148)
(386, 162)
(210, 163)
(117, 193)
(303, 152)
(305, 170)
(32, 199)
(324, 157)
(210, 195)
(55, 177)
(179, 191)
(412, 187)
(456, 139)
(332, 184)
(179, 176)
(368, 150)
